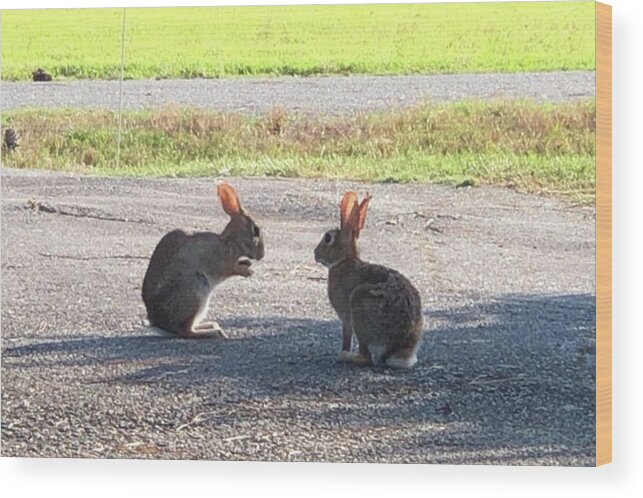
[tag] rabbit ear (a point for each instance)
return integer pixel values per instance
(363, 207)
(229, 199)
(349, 201)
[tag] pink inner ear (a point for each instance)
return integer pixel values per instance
(349, 201)
(229, 199)
(353, 220)
(363, 208)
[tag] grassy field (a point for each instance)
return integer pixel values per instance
(531, 147)
(300, 40)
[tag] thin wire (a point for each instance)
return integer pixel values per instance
(120, 95)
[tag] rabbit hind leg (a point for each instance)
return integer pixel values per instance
(210, 327)
(362, 358)
(199, 300)
(367, 319)
(193, 328)
(209, 330)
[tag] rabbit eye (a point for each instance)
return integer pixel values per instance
(256, 231)
(328, 238)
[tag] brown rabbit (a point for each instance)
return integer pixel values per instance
(185, 268)
(376, 303)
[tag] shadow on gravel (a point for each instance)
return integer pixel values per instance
(148, 345)
(516, 375)
(511, 376)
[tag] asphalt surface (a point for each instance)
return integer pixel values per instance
(326, 95)
(505, 372)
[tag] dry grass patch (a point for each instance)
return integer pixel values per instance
(529, 146)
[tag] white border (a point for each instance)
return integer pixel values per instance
(116, 478)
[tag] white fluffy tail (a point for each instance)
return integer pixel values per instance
(402, 362)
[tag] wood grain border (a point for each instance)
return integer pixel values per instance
(603, 233)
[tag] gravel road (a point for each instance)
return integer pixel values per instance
(328, 95)
(505, 372)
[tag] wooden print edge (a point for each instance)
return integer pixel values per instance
(603, 233)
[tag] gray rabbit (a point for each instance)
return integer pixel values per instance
(185, 268)
(376, 303)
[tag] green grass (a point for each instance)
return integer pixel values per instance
(527, 146)
(300, 40)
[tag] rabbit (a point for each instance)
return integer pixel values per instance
(377, 303)
(185, 268)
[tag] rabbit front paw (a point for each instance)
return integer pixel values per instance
(242, 267)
